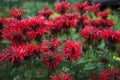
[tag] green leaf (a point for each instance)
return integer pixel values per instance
(89, 66)
(83, 60)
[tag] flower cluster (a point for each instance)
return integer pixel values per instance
(110, 74)
(62, 7)
(104, 15)
(90, 33)
(52, 44)
(111, 36)
(82, 7)
(45, 12)
(52, 60)
(72, 50)
(17, 54)
(17, 13)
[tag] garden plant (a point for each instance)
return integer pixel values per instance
(72, 42)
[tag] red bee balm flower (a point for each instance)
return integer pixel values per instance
(66, 21)
(36, 28)
(90, 33)
(52, 45)
(36, 35)
(82, 20)
(17, 13)
(52, 60)
(17, 54)
(33, 50)
(71, 20)
(81, 7)
(62, 77)
(94, 8)
(111, 36)
(110, 74)
(102, 23)
(72, 50)
(45, 12)
(55, 26)
(104, 14)
(105, 23)
(14, 36)
(13, 54)
(62, 7)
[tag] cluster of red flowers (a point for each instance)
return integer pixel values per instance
(106, 34)
(18, 32)
(39, 36)
(17, 54)
(52, 44)
(52, 60)
(110, 74)
(90, 33)
(72, 50)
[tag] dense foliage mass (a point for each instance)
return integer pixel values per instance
(77, 42)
